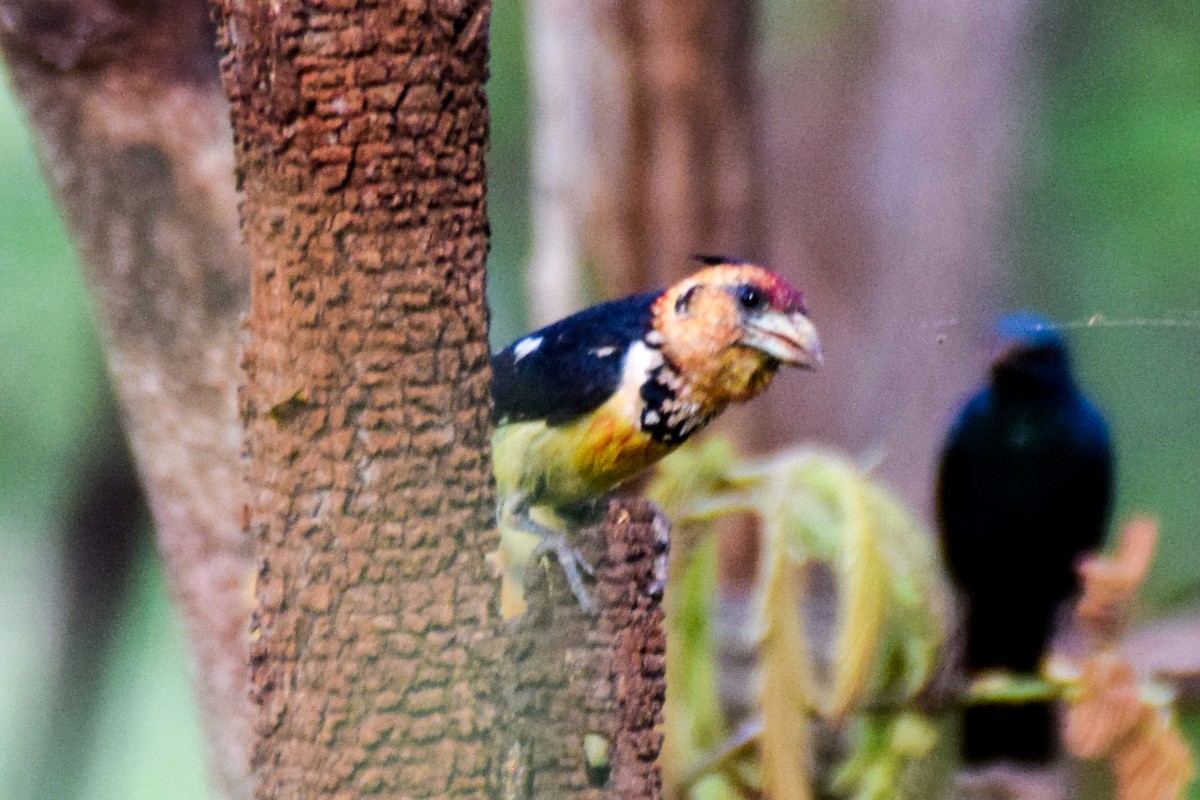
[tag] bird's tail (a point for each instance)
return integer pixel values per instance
(1025, 733)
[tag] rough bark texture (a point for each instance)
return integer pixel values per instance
(360, 133)
(132, 127)
(572, 676)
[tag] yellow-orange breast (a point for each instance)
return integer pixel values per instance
(585, 458)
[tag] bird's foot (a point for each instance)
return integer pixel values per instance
(574, 567)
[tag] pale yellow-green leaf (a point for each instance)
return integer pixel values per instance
(891, 595)
(863, 585)
(692, 474)
(919, 597)
(785, 696)
(817, 510)
(693, 721)
(884, 748)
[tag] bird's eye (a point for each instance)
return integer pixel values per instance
(751, 298)
(684, 301)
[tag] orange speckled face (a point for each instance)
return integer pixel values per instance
(728, 327)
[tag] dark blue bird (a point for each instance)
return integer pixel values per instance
(1023, 491)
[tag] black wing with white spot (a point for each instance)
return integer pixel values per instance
(570, 367)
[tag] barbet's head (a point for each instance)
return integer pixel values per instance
(729, 326)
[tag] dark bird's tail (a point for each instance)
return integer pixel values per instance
(1009, 633)
(1025, 733)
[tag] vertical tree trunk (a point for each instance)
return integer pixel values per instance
(563, 52)
(132, 128)
(587, 694)
(360, 134)
(378, 666)
(104, 523)
(646, 144)
(677, 146)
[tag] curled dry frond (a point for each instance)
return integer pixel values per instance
(1111, 713)
(1115, 717)
(889, 615)
(1110, 582)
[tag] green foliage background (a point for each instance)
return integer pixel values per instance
(1107, 224)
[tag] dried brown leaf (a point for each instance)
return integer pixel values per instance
(1108, 708)
(1113, 716)
(1111, 581)
(1153, 763)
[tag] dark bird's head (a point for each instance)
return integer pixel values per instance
(1031, 353)
(729, 326)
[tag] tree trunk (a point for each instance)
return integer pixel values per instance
(938, 167)
(105, 524)
(587, 695)
(562, 61)
(132, 128)
(379, 662)
(646, 144)
(360, 136)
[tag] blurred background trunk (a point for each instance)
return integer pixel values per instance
(106, 528)
(133, 134)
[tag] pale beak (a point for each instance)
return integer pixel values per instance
(790, 338)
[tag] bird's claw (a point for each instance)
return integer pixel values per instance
(574, 566)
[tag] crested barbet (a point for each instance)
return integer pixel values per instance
(1024, 490)
(588, 402)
